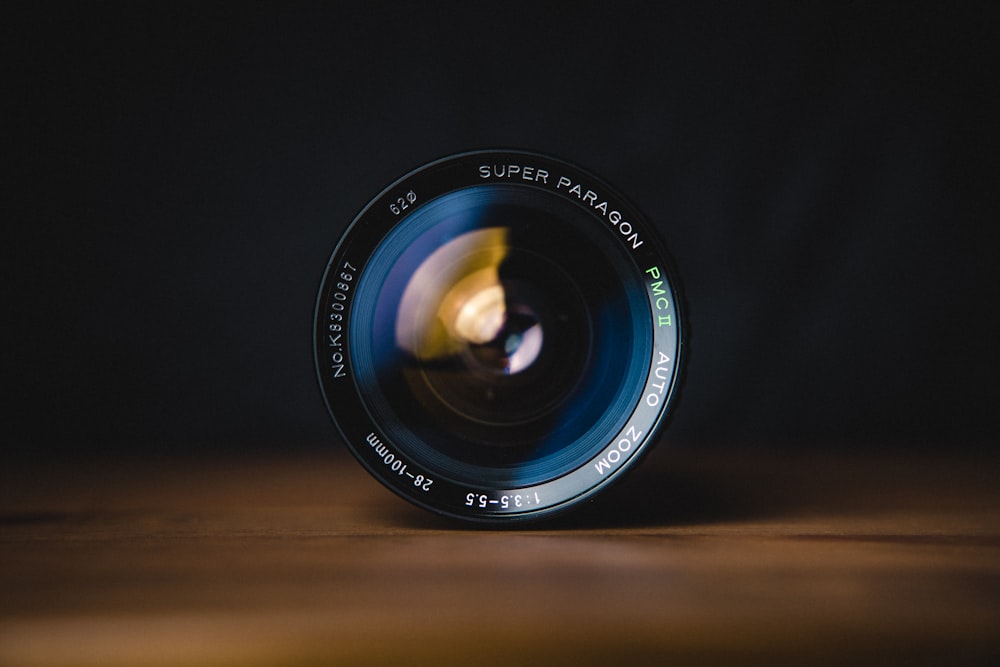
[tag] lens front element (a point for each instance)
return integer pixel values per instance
(489, 344)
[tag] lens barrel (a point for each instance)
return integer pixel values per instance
(498, 336)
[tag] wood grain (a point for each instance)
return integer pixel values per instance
(707, 558)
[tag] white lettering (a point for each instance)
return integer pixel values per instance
(586, 195)
(662, 372)
(615, 452)
(524, 172)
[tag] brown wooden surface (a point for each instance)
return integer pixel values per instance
(716, 558)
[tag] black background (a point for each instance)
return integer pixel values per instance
(177, 176)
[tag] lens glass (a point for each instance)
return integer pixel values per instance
(497, 335)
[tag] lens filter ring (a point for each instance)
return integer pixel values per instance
(498, 336)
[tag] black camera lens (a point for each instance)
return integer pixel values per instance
(498, 336)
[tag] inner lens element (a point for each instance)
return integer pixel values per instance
(496, 337)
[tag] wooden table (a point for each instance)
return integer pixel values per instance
(718, 557)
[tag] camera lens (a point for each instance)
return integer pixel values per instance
(498, 336)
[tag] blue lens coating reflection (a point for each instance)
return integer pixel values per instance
(500, 334)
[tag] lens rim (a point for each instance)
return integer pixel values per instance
(470, 499)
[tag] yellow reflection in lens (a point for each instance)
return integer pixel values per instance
(455, 297)
(482, 315)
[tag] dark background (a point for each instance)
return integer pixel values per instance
(824, 175)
